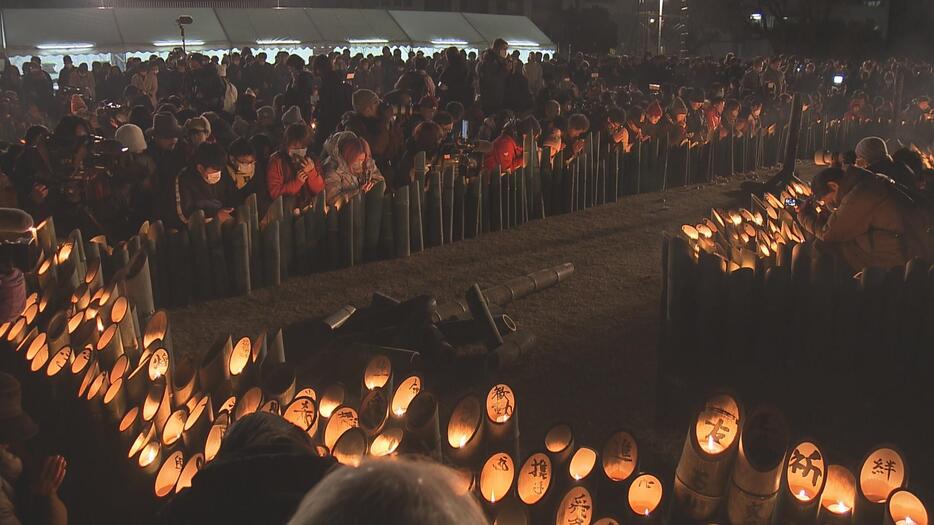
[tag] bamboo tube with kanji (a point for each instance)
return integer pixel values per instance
(192, 466)
(158, 329)
(535, 486)
(303, 413)
(169, 473)
(243, 373)
(216, 435)
(60, 378)
(465, 431)
(342, 419)
(497, 478)
(279, 383)
(559, 442)
(502, 420)
(803, 485)
(645, 501)
(884, 470)
(905, 508)
(377, 374)
(619, 461)
(707, 459)
(350, 447)
(403, 396)
(84, 365)
(213, 373)
(839, 497)
(198, 424)
(754, 488)
(422, 427)
(576, 506)
(374, 411)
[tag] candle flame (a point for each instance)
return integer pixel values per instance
(461, 442)
(839, 508)
(492, 495)
(802, 495)
(710, 442)
(399, 412)
(909, 521)
(645, 512)
(502, 419)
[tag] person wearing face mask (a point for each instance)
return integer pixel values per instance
(856, 216)
(349, 169)
(291, 172)
(241, 164)
(198, 130)
(492, 72)
(204, 185)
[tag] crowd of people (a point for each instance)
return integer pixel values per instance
(105, 149)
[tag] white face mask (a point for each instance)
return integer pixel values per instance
(298, 152)
(212, 177)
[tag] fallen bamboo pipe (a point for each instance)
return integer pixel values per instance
(510, 291)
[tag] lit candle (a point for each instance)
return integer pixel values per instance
(711, 446)
(906, 521)
(803, 496)
(838, 508)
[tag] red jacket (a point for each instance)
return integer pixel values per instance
(506, 154)
(281, 179)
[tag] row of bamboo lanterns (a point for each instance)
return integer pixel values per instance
(759, 237)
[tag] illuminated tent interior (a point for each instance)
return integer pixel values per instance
(114, 34)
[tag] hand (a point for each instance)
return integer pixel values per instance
(39, 193)
(578, 147)
(224, 214)
(51, 476)
(368, 185)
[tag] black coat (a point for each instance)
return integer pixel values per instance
(492, 71)
(456, 85)
(192, 193)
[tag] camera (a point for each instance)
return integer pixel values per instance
(791, 202)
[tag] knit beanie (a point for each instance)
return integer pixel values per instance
(131, 136)
(292, 116)
(363, 98)
(872, 150)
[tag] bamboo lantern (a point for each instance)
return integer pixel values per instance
(342, 419)
(559, 442)
(109, 347)
(606, 521)
(139, 286)
(115, 400)
(576, 507)
(216, 436)
(582, 465)
(39, 359)
(259, 350)
(465, 430)
(140, 440)
(422, 429)
(158, 406)
(496, 477)
(46, 274)
(275, 349)
(243, 374)
(169, 473)
(511, 512)
(387, 443)
(137, 384)
(192, 466)
(619, 460)
(119, 369)
(350, 447)
(839, 497)
(84, 365)
(58, 362)
(121, 315)
(757, 474)
(534, 483)
(184, 384)
(279, 382)
(405, 393)
(199, 423)
(160, 364)
(158, 329)
(248, 403)
(214, 372)
(28, 340)
(34, 345)
(331, 398)
(150, 458)
(17, 332)
(307, 392)
(302, 412)
(904, 508)
(94, 277)
(378, 374)
(707, 459)
(645, 497)
(884, 470)
(228, 406)
(46, 239)
(374, 411)
(129, 426)
(502, 419)
(805, 477)
(58, 332)
(174, 427)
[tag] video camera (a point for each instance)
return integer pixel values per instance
(71, 179)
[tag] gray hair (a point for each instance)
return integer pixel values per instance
(389, 491)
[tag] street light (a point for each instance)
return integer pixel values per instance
(183, 21)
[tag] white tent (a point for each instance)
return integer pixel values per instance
(89, 31)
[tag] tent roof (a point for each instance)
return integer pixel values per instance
(143, 29)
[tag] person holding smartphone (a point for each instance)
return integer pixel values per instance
(291, 171)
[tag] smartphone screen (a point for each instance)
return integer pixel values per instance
(464, 129)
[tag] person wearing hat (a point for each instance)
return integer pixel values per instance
(205, 185)
(44, 505)
(293, 115)
(169, 159)
(872, 154)
(377, 127)
(197, 130)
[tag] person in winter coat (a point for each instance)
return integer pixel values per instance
(507, 153)
(857, 217)
(374, 123)
(349, 169)
(146, 80)
(873, 155)
(261, 472)
(455, 84)
(333, 97)
(517, 98)
(416, 81)
(492, 72)
(204, 185)
(291, 172)
(300, 88)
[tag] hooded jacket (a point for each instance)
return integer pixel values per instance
(340, 184)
